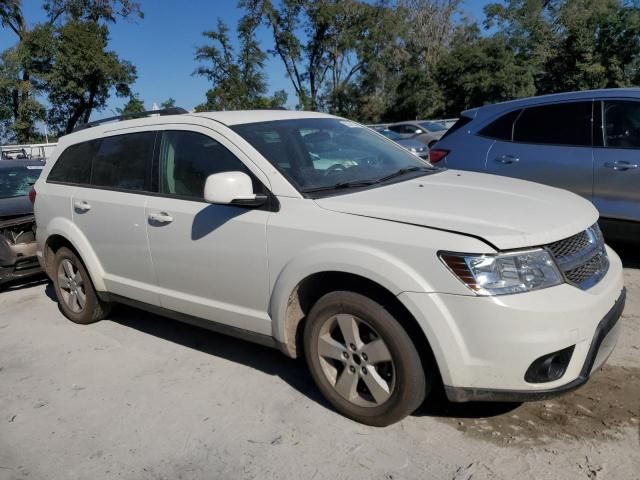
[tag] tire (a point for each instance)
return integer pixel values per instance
(385, 391)
(87, 307)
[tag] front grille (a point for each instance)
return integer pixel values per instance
(570, 246)
(582, 258)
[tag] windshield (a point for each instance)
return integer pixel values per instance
(433, 126)
(16, 181)
(389, 134)
(321, 153)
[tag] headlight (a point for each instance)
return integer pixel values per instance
(413, 149)
(505, 273)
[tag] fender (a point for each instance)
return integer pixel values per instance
(69, 231)
(388, 271)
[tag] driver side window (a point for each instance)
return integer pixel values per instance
(188, 158)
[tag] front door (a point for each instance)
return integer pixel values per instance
(210, 260)
(616, 190)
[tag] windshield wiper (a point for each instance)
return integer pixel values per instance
(338, 186)
(403, 171)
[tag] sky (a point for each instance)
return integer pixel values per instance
(163, 43)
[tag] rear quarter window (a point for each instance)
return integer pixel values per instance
(462, 121)
(74, 164)
(502, 127)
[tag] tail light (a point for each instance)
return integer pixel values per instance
(32, 195)
(437, 154)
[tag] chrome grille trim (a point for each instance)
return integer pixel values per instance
(582, 258)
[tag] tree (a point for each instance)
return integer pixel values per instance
(83, 74)
(134, 105)
(480, 70)
(32, 54)
(238, 78)
(169, 103)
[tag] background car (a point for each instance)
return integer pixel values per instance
(414, 146)
(424, 131)
(586, 142)
(17, 227)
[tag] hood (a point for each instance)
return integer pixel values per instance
(410, 143)
(15, 206)
(505, 212)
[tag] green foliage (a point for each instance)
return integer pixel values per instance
(83, 74)
(238, 79)
(169, 103)
(31, 69)
(134, 105)
(481, 70)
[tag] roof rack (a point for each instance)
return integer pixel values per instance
(129, 116)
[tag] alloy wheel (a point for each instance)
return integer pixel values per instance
(72, 288)
(356, 360)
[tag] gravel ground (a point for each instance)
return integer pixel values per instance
(143, 397)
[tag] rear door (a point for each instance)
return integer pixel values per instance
(549, 144)
(109, 211)
(617, 160)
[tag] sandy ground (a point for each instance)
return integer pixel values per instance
(144, 397)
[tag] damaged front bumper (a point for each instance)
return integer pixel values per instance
(18, 249)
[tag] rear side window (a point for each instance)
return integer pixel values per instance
(502, 128)
(462, 121)
(188, 158)
(122, 162)
(622, 124)
(558, 124)
(74, 164)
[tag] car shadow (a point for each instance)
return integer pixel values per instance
(629, 253)
(273, 362)
(264, 359)
(21, 284)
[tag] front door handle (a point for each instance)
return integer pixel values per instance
(161, 218)
(620, 165)
(506, 159)
(81, 206)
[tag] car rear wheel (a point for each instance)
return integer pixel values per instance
(362, 359)
(76, 295)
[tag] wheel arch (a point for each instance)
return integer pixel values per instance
(71, 237)
(312, 287)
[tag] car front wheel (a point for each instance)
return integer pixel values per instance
(362, 359)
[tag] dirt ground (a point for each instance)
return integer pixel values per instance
(143, 397)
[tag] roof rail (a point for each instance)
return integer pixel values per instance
(129, 116)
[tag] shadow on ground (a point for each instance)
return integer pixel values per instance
(629, 253)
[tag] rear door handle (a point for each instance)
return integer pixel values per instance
(162, 218)
(506, 159)
(81, 206)
(620, 165)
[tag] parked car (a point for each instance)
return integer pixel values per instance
(586, 142)
(422, 130)
(17, 229)
(414, 146)
(312, 234)
(14, 154)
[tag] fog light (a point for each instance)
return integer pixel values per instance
(549, 367)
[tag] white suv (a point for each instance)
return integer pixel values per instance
(315, 235)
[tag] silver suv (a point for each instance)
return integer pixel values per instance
(314, 235)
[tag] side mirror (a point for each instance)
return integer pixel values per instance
(418, 132)
(232, 188)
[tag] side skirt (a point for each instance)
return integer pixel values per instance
(236, 332)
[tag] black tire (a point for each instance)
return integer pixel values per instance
(92, 309)
(408, 386)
